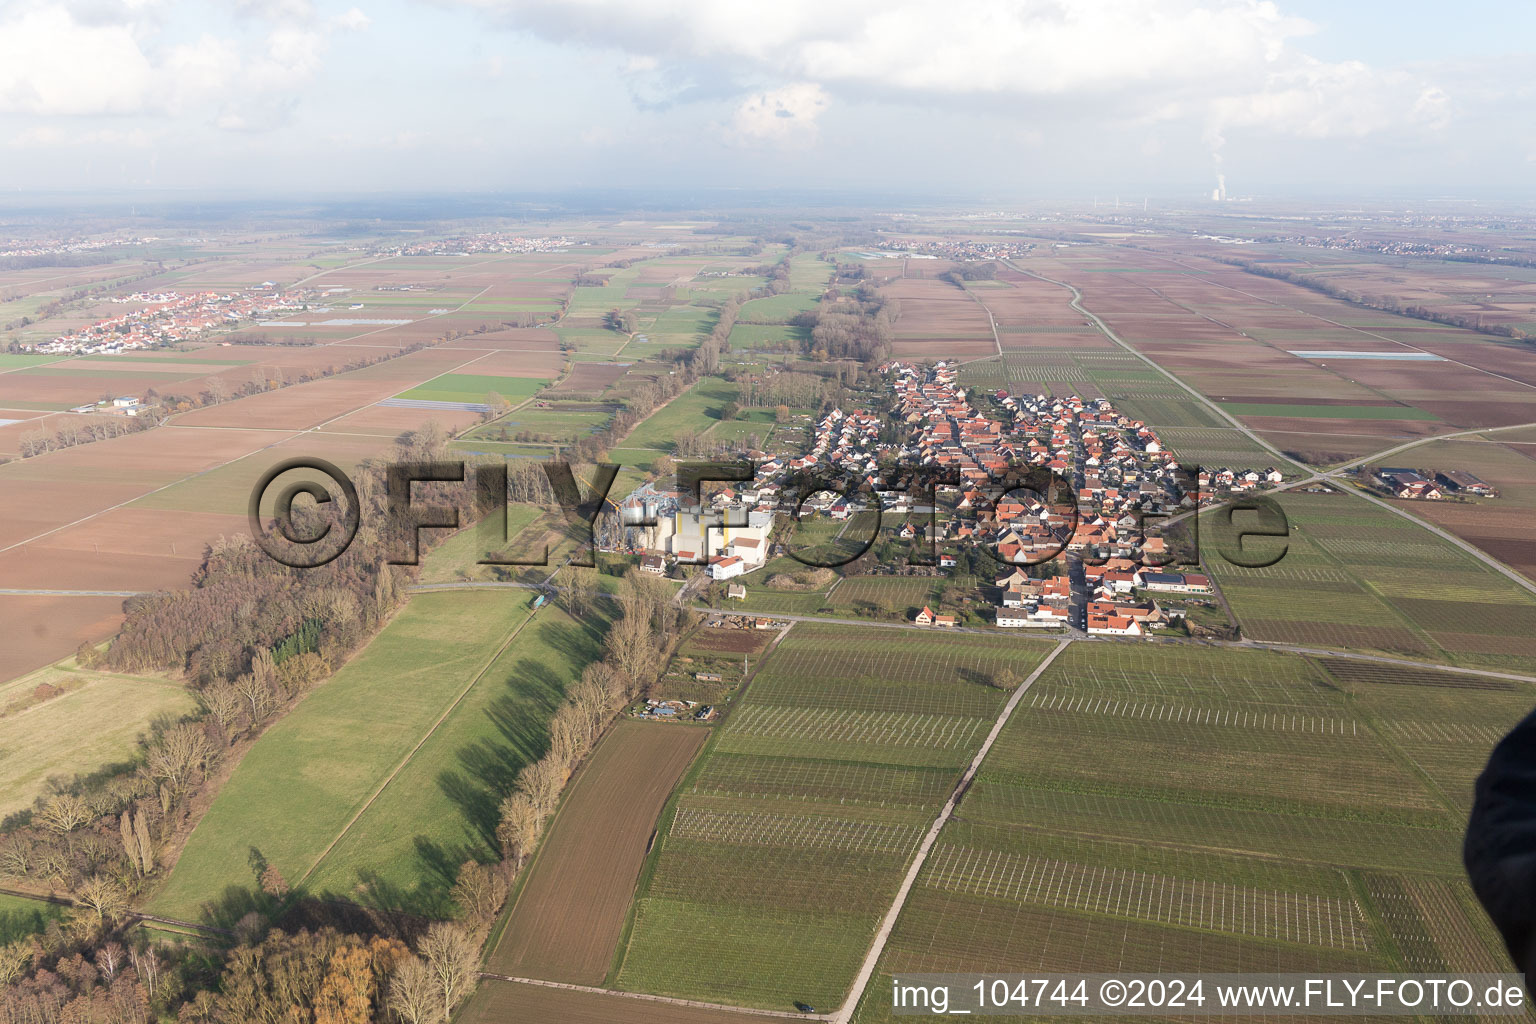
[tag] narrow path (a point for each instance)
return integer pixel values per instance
(996, 340)
(16, 592)
(65, 901)
(646, 997)
(872, 958)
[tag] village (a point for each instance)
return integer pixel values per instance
(165, 318)
(492, 242)
(1077, 558)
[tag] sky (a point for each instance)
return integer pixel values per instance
(1012, 99)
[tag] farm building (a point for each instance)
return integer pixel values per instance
(1462, 482)
(1176, 583)
(736, 592)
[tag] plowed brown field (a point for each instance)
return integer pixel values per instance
(566, 922)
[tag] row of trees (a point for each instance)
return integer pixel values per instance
(640, 640)
(251, 636)
(91, 968)
(83, 430)
(58, 305)
(74, 431)
(1385, 303)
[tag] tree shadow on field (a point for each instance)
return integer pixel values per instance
(971, 675)
(583, 643)
(488, 767)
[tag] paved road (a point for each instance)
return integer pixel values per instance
(1077, 304)
(872, 958)
(1029, 634)
(1469, 548)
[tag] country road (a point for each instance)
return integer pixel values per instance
(1031, 635)
(1077, 304)
(1469, 548)
(872, 958)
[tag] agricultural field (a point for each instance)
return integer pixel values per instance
(784, 846)
(566, 922)
(1254, 343)
(107, 711)
(903, 596)
(439, 809)
(1152, 809)
(1497, 525)
(696, 410)
(332, 792)
(496, 1001)
(547, 421)
(1353, 576)
(472, 387)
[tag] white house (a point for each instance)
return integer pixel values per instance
(727, 567)
(1114, 625)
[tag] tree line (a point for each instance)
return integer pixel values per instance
(1386, 304)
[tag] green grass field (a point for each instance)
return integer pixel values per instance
(457, 558)
(314, 769)
(473, 387)
(441, 809)
(777, 309)
(562, 421)
(21, 917)
(103, 713)
(697, 409)
(750, 336)
(789, 839)
(12, 361)
(1239, 811)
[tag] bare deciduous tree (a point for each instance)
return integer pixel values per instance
(542, 781)
(518, 831)
(413, 995)
(223, 702)
(179, 755)
(480, 891)
(451, 955)
(103, 896)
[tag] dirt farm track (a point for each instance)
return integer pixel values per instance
(497, 1002)
(567, 919)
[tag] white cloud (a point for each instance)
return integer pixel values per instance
(786, 115)
(51, 64)
(105, 59)
(352, 20)
(1219, 63)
